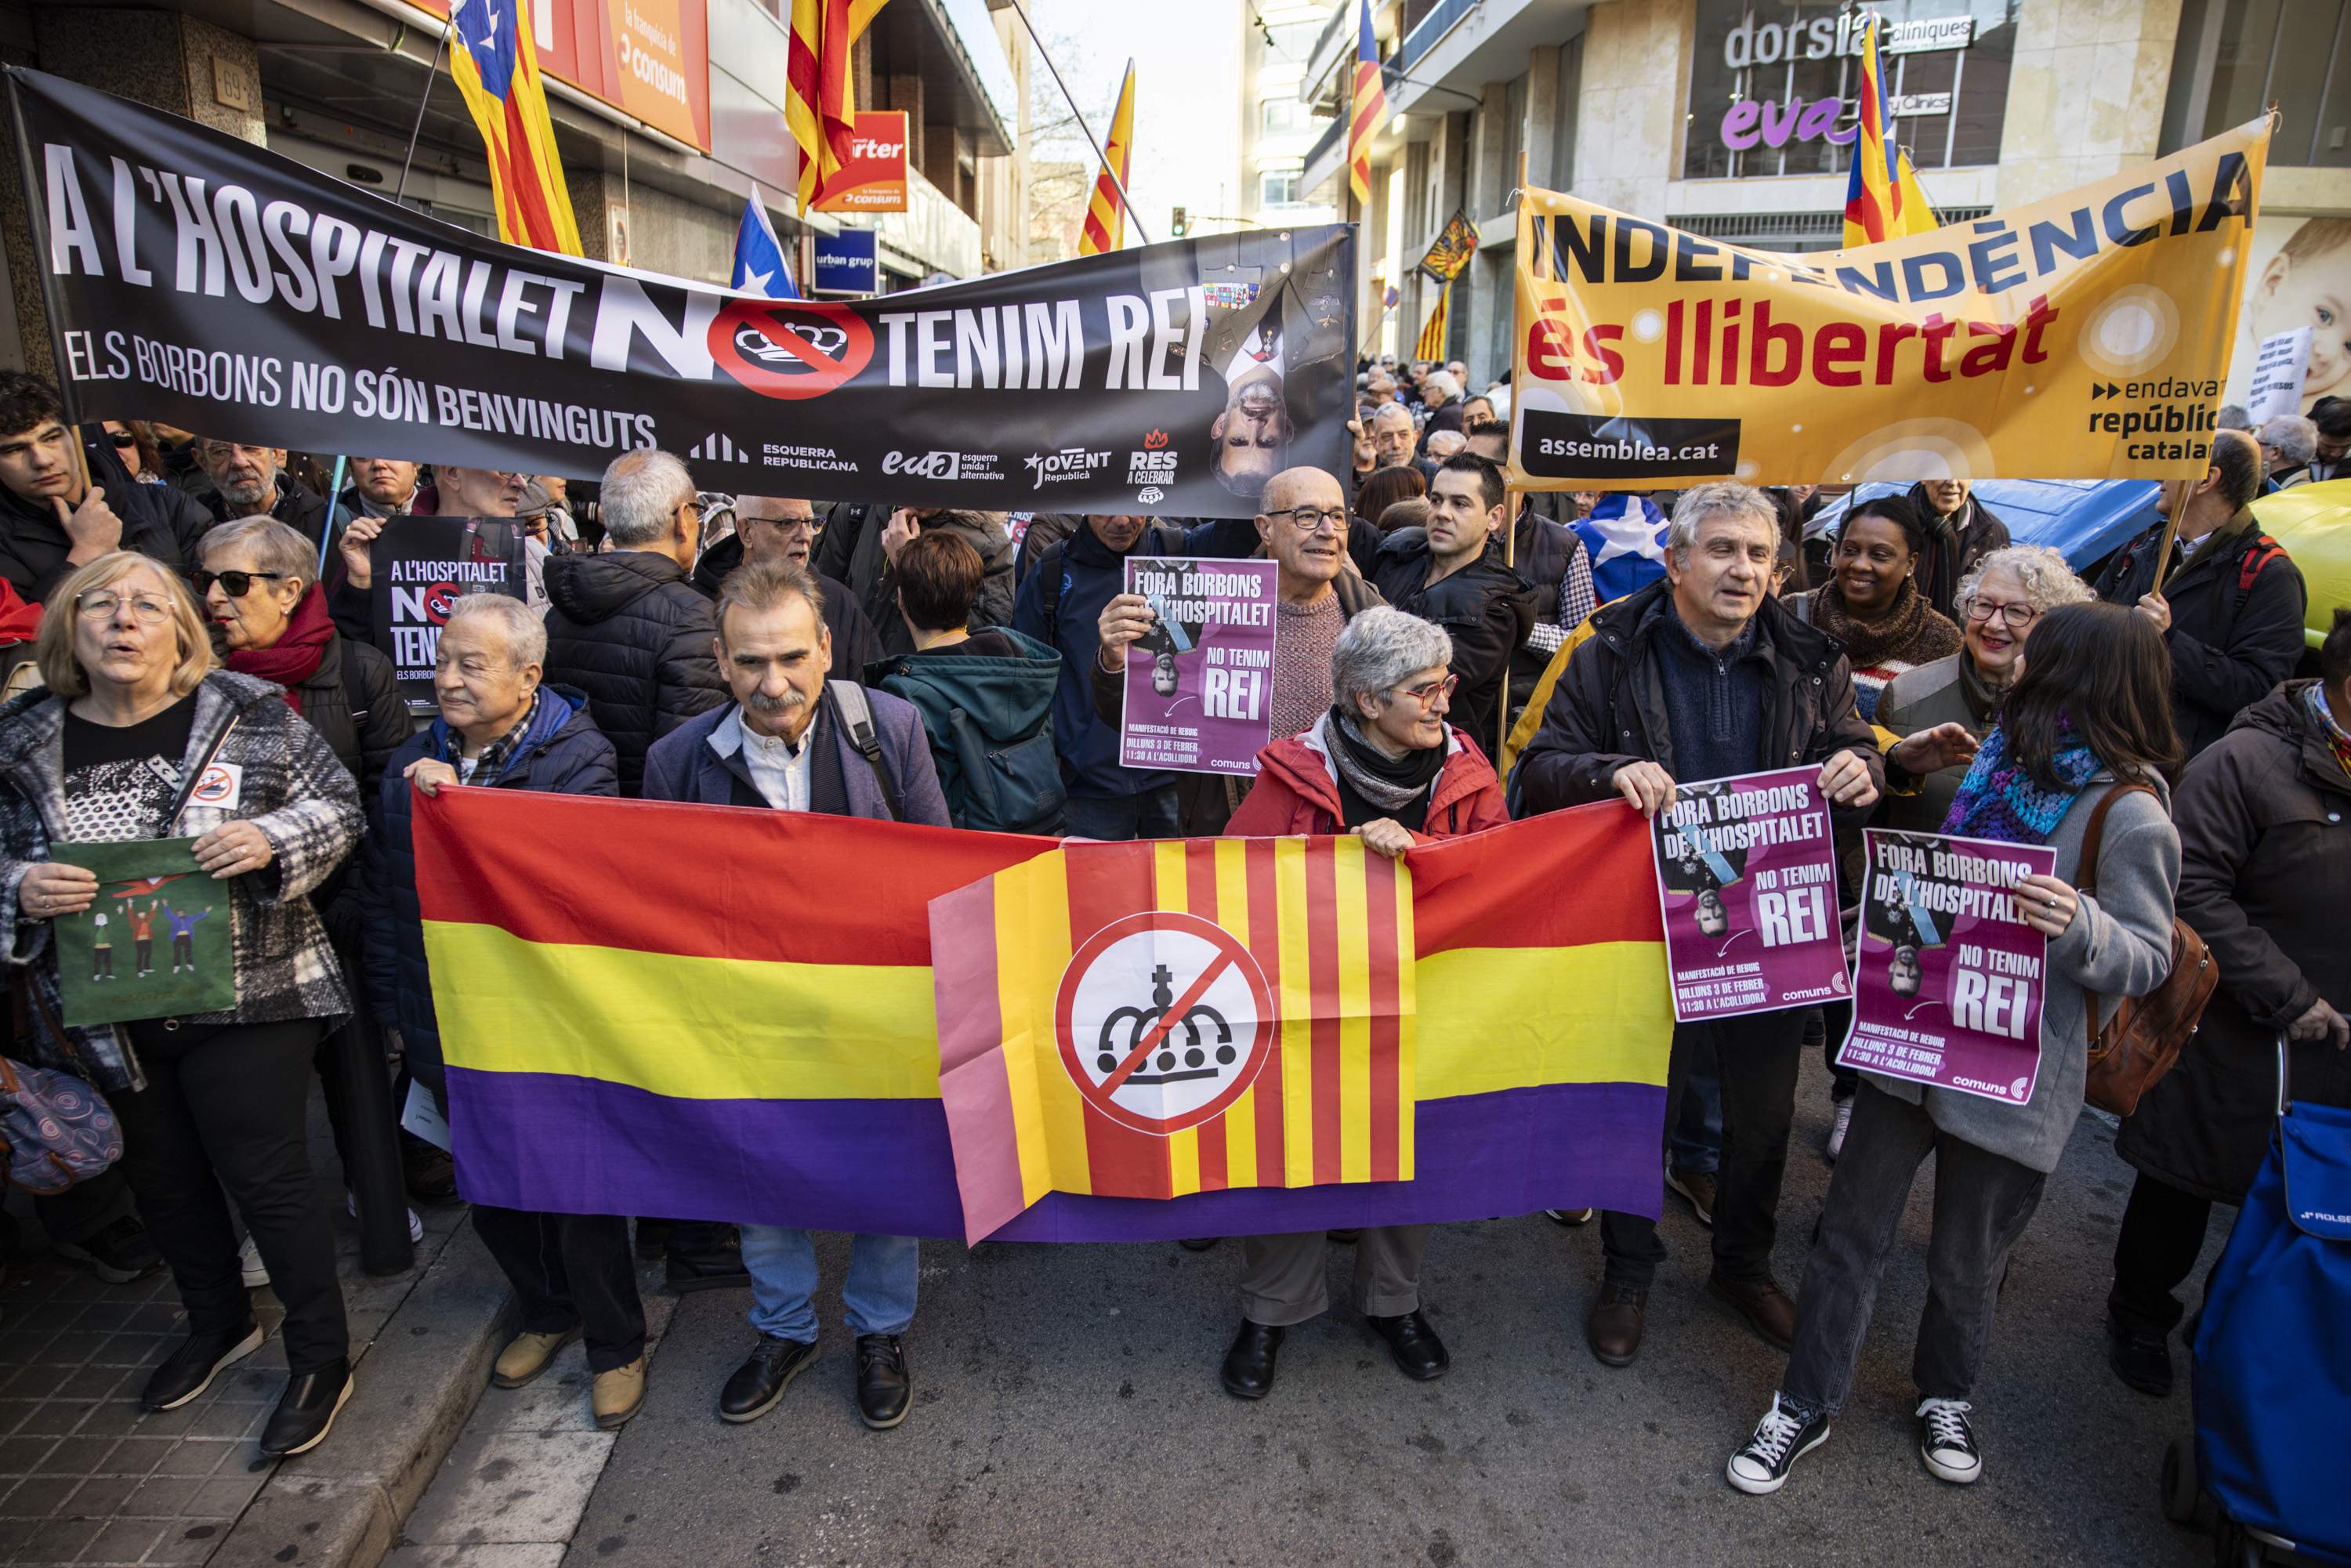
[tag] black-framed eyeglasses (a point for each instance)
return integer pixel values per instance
(235, 584)
(1311, 519)
(1426, 694)
(2016, 613)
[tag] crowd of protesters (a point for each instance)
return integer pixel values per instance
(964, 668)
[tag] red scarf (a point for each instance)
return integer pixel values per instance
(295, 656)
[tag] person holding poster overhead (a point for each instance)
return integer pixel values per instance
(139, 739)
(2087, 727)
(1701, 676)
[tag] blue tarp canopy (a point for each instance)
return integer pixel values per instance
(2086, 519)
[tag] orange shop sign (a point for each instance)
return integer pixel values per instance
(649, 59)
(875, 178)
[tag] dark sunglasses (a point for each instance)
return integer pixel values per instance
(123, 439)
(237, 584)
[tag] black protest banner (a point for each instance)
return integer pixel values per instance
(198, 280)
(422, 566)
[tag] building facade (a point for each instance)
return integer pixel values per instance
(1278, 126)
(1734, 120)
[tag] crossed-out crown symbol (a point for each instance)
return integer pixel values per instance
(1172, 1063)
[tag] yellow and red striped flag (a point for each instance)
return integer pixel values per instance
(1882, 199)
(1432, 336)
(1105, 226)
(819, 92)
(1370, 111)
(496, 70)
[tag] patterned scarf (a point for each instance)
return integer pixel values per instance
(1999, 800)
(1390, 783)
(2337, 738)
(1910, 630)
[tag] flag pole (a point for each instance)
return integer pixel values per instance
(1116, 183)
(417, 128)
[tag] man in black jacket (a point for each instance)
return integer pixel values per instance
(772, 528)
(1961, 531)
(860, 542)
(1700, 676)
(52, 521)
(626, 627)
(1453, 574)
(2232, 599)
(253, 482)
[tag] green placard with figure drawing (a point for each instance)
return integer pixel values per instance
(156, 944)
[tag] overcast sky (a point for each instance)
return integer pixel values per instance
(1187, 91)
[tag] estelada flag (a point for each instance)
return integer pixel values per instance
(1180, 1017)
(495, 66)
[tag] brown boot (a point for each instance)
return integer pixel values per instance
(1761, 1303)
(1614, 1330)
(618, 1393)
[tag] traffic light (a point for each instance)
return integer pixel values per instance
(1176, 225)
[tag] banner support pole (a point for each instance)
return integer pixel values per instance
(1104, 158)
(417, 128)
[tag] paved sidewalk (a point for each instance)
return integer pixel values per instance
(85, 1476)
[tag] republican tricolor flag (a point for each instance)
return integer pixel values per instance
(496, 70)
(1882, 199)
(1105, 224)
(1370, 108)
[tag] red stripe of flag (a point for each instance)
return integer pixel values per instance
(1496, 890)
(1323, 980)
(1200, 898)
(1095, 232)
(1387, 1030)
(530, 191)
(1265, 944)
(1105, 883)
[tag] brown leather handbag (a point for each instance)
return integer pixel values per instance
(2146, 1035)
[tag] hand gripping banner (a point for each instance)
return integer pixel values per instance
(196, 279)
(2082, 337)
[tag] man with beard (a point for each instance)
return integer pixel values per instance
(1961, 531)
(252, 481)
(774, 527)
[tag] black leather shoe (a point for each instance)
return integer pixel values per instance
(704, 1257)
(1419, 1353)
(190, 1369)
(760, 1382)
(2140, 1359)
(1198, 1243)
(1248, 1371)
(306, 1413)
(885, 1393)
(1344, 1237)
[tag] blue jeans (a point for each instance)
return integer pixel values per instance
(878, 1296)
(1116, 819)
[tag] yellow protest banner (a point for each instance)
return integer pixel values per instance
(2082, 337)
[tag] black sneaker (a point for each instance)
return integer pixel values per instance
(306, 1413)
(760, 1382)
(190, 1369)
(1781, 1438)
(1947, 1442)
(883, 1390)
(118, 1254)
(2140, 1359)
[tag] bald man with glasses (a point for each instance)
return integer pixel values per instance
(777, 528)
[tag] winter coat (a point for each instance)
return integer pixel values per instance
(158, 522)
(1920, 698)
(2119, 946)
(2264, 821)
(290, 786)
(1297, 791)
(1090, 576)
(1608, 708)
(1954, 545)
(863, 565)
(1485, 607)
(352, 699)
(984, 695)
(2236, 621)
(629, 631)
(856, 644)
(561, 753)
(695, 763)
(1552, 557)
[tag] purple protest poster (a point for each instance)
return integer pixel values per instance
(1747, 878)
(1947, 978)
(1199, 687)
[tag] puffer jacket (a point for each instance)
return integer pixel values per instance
(1486, 608)
(987, 695)
(291, 786)
(855, 644)
(631, 633)
(561, 753)
(2264, 819)
(1297, 791)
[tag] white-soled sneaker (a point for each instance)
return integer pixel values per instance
(1947, 1442)
(1781, 1438)
(248, 1261)
(351, 1207)
(1837, 1129)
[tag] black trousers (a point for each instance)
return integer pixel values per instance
(2156, 1251)
(570, 1269)
(226, 1109)
(1757, 1057)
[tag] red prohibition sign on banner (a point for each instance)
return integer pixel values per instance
(1164, 1019)
(790, 348)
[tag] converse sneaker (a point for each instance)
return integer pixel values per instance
(1837, 1129)
(1947, 1442)
(1782, 1438)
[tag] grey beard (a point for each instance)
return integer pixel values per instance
(761, 703)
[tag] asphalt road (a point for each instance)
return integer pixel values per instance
(1068, 1411)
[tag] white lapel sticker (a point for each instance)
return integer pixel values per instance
(221, 786)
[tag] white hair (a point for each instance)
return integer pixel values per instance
(274, 547)
(2295, 436)
(641, 493)
(1721, 499)
(1379, 648)
(518, 624)
(2048, 580)
(1442, 384)
(1444, 444)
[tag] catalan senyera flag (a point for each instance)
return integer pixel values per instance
(819, 97)
(1104, 228)
(1431, 345)
(1882, 200)
(633, 1024)
(1370, 108)
(496, 68)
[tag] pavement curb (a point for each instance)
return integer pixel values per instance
(342, 1506)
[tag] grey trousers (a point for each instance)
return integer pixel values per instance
(1982, 1204)
(1285, 1280)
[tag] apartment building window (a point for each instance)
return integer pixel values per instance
(1775, 86)
(2235, 56)
(1278, 116)
(1277, 190)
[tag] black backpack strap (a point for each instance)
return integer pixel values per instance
(857, 716)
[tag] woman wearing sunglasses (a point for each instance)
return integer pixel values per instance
(135, 445)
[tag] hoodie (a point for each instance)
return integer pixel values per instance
(988, 707)
(629, 631)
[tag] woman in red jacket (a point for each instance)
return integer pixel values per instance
(1381, 764)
